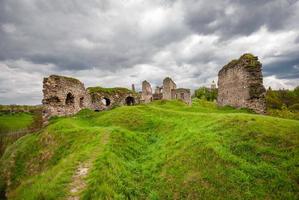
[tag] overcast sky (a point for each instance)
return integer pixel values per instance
(119, 42)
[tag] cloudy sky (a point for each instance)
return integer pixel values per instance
(120, 42)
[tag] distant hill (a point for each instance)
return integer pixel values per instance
(162, 150)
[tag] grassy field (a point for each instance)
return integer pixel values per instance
(10, 122)
(162, 150)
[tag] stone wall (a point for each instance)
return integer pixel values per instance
(107, 98)
(158, 95)
(63, 96)
(168, 86)
(67, 96)
(147, 94)
(240, 84)
(183, 95)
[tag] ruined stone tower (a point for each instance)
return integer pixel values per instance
(147, 94)
(240, 84)
(168, 86)
(63, 96)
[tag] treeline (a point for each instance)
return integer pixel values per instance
(283, 99)
(19, 108)
(209, 94)
(280, 103)
(275, 99)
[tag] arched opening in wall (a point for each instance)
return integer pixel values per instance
(81, 102)
(106, 101)
(130, 101)
(70, 99)
(182, 96)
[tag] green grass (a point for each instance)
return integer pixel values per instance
(115, 90)
(10, 122)
(162, 150)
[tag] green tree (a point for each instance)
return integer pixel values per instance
(206, 93)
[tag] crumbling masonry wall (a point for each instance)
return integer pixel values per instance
(63, 96)
(107, 98)
(168, 91)
(240, 84)
(66, 96)
(183, 95)
(168, 86)
(147, 94)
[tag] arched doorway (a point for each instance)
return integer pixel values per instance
(70, 99)
(130, 101)
(81, 102)
(106, 101)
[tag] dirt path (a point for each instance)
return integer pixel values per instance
(78, 181)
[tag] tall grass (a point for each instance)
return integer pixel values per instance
(162, 150)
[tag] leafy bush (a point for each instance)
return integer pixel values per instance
(295, 107)
(206, 93)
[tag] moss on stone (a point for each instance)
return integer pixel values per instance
(252, 61)
(69, 79)
(231, 64)
(248, 56)
(120, 90)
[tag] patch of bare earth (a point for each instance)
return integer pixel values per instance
(78, 183)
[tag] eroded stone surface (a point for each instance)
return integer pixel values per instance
(168, 86)
(168, 91)
(147, 94)
(63, 96)
(67, 96)
(182, 94)
(240, 84)
(107, 98)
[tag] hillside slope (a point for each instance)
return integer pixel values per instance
(14, 122)
(162, 150)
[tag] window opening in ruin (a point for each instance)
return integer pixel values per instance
(182, 96)
(81, 102)
(70, 99)
(130, 101)
(106, 101)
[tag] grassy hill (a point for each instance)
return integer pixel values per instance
(162, 150)
(10, 122)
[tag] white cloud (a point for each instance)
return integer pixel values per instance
(117, 43)
(275, 83)
(9, 28)
(84, 43)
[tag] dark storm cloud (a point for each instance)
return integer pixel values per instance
(288, 69)
(123, 41)
(68, 34)
(231, 18)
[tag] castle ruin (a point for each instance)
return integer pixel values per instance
(240, 84)
(147, 93)
(66, 96)
(168, 92)
(63, 96)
